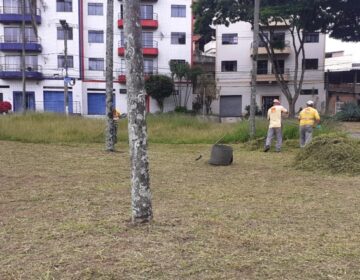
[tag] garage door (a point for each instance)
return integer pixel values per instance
(54, 101)
(230, 106)
(97, 103)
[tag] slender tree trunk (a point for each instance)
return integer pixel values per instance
(254, 69)
(23, 58)
(110, 123)
(140, 179)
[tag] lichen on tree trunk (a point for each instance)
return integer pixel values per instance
(140, 179)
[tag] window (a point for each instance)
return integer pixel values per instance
(278, 40)
(61, 61)
(262, 67)
(311, 37)
(311, 64)
(13, 35)
(13, 62)
(178, 11)
(263, 37)
(64, 5)
(1, 97)
(230, 39)
(95, 9)
(146, 12)
(178, 38)
(148, 66)
(147, 40)
(229, 66)
(177, 61)
(61, 33)
(280, 65)
(96, 64)
(96, 36)
(309, 91)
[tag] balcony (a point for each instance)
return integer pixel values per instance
(280, 48)
(14, 15)
(148, 71)
(149, 48)
(13, 72)
(15, 44)
(265, 76)
(147, 21)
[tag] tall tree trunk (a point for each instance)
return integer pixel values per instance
(254, 69)
(140, 179)
(110, 123)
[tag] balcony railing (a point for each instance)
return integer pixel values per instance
(13, 71)
(148, 71)
(15, 14)
(265, 75)
(148, 21)
(8, 43)
(280, 47)
(149, 48)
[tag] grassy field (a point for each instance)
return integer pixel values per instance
(65, 211)
(165, 128)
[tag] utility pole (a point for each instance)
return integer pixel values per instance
(254, 69)
(23, 58)
(65, 27)
(111, 129)
(140, 178)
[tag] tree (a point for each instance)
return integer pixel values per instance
(159, 87)
(296, 16)
(140, 179)
(110, 130)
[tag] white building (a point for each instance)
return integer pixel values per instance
(167, 35)
(234, 64)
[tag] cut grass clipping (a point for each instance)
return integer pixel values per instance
(333, 153)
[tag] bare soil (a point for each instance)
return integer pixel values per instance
(65, 214)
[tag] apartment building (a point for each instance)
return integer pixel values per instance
(167, 33)
(234, 64)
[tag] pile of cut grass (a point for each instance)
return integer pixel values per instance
(332, 153)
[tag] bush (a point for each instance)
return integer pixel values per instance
(5, 107)
(159, 87)
(349, 112)
(258, 112)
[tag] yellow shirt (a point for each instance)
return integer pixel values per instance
(308, 116)
(274, 115)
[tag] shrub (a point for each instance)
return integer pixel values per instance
(349, 112)
(159, 87)
(5, 107)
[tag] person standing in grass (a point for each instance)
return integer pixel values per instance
(274, 115)
(308, 117)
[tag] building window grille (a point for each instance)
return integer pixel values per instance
(61, 61)
(61, 33)
(178, 38)
(311, 37)
(229, 66)
(96, 36)
(311, 64)
(178, 11)
(309, 91)
(95, 9)
(96, 64)
(64, 5)
(262, 67)
(230, 39)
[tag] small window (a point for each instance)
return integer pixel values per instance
(64, 5)
(229, 66)
(178, 11)
(96, 64)
(177, 61)
(96, 36)
(280, 65)
(95, 9)
(309, 92)
(311, 64)
(61, 61)
(230, 39)
(61, 33)
(178, 38)
(262, 67)
(311, 37)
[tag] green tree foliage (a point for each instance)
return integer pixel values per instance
(159, 87)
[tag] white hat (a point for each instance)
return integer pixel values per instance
(276, 101)
(310, 103)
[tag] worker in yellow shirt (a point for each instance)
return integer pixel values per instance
(274, 115)
(308, 117)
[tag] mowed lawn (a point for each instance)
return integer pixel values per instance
(65, 214)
